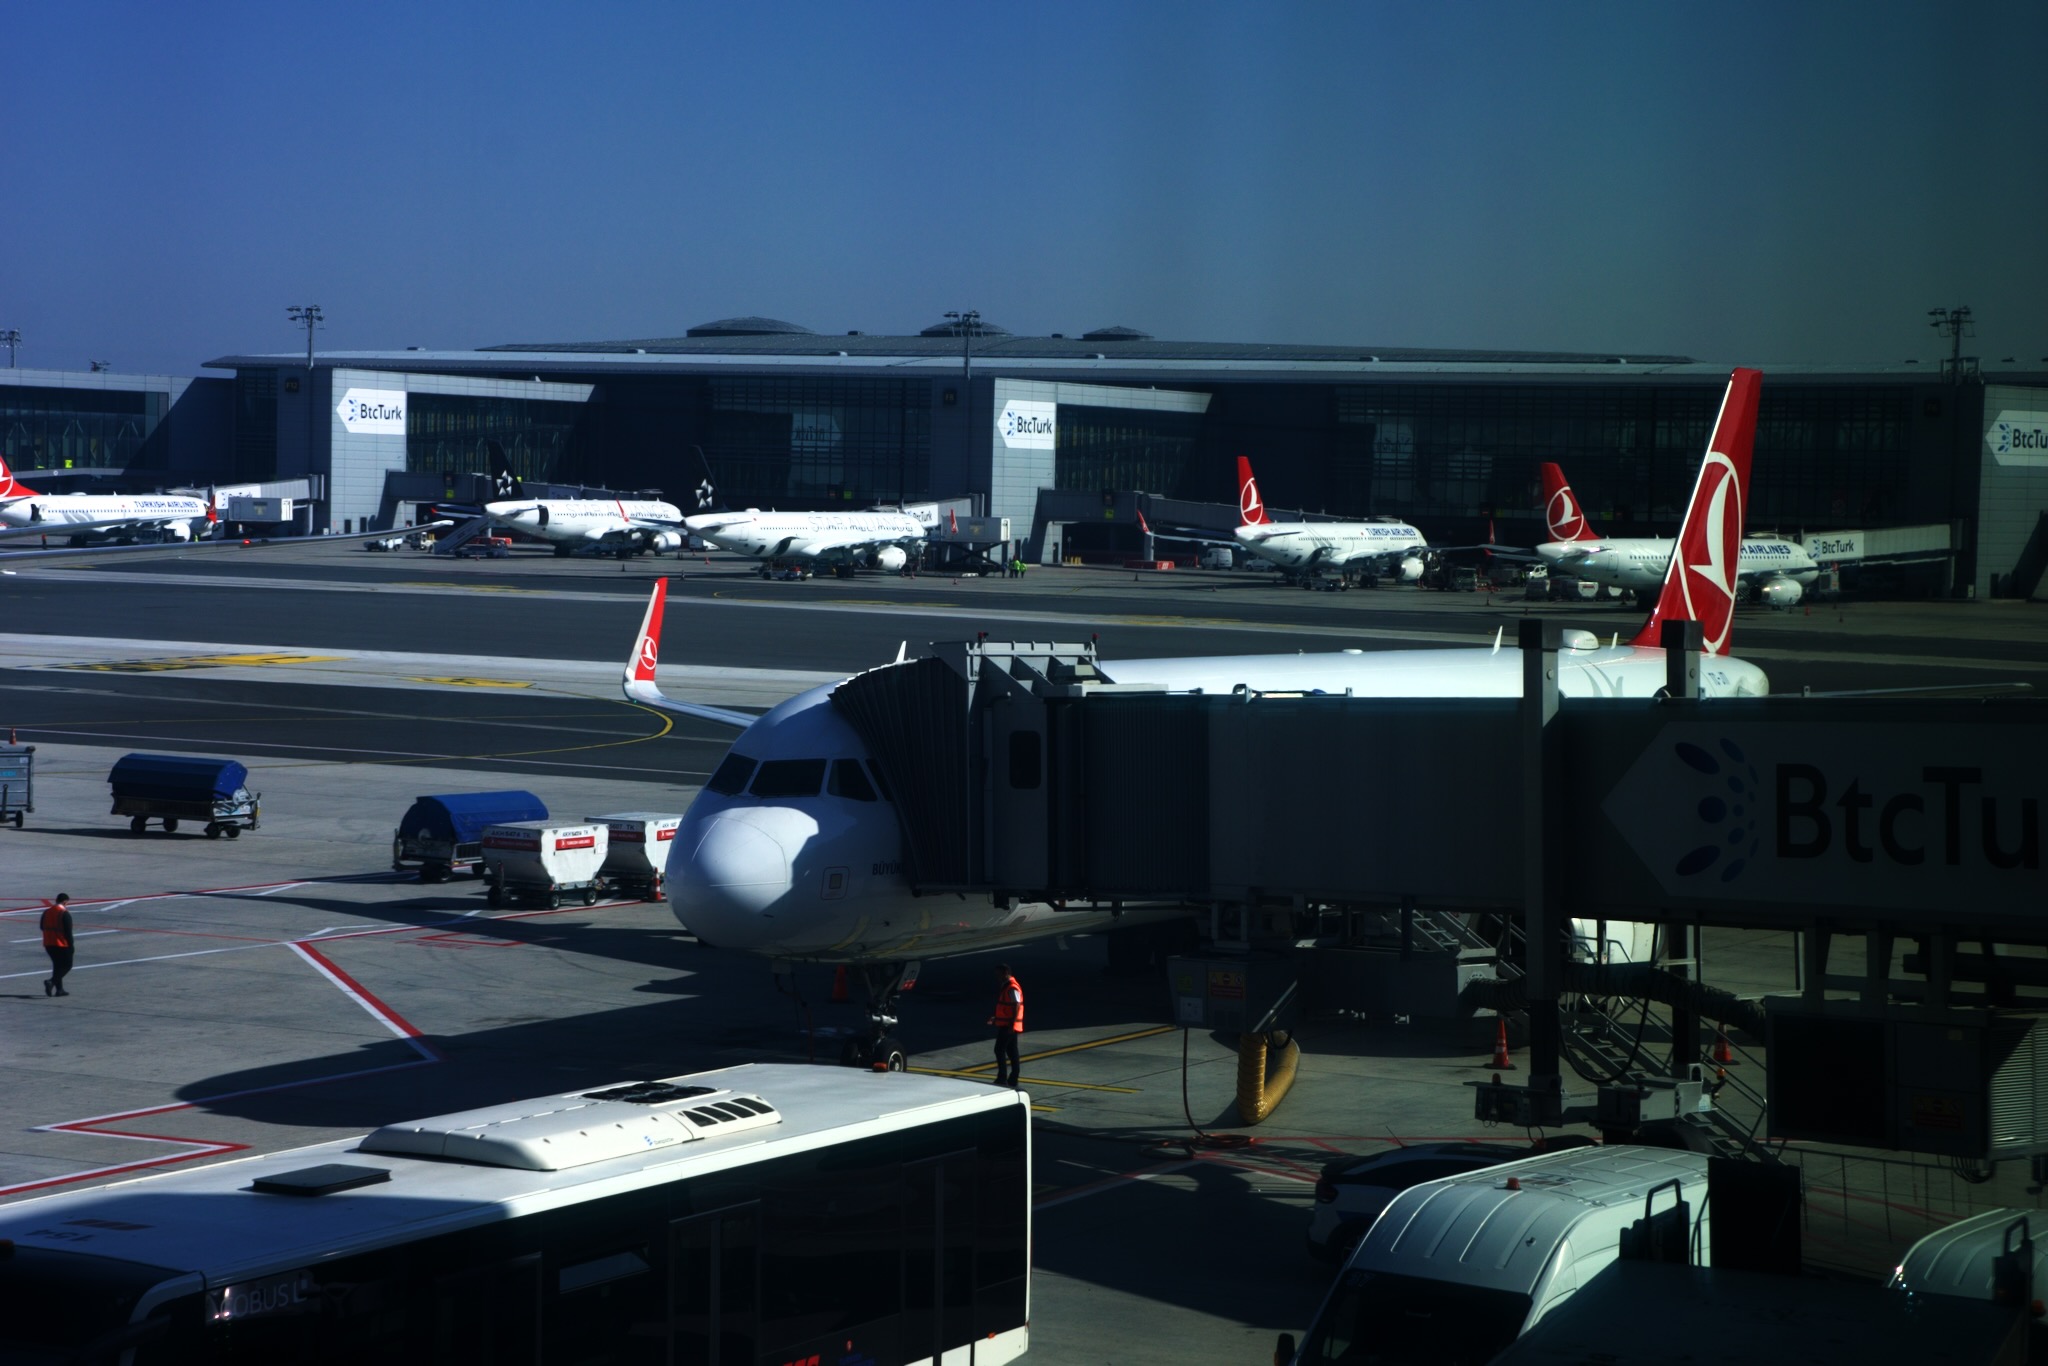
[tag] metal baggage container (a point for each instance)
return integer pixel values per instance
(439, 834)
(542, 860)
(637, 858)
(175, 787)
(17, 781)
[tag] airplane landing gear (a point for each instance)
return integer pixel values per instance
(878, 1049)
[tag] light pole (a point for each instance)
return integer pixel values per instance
(12, 336)
(307, 316)
(969, 323)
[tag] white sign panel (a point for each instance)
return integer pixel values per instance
(1914, 817)
(2018, 437)
(378, 412)
(1835, 545)
(1025, 425)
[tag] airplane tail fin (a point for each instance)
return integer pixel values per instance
(647, 645)
(10, 487)
(506, 482)
(1251, 509)
(212, 509)
(1143, 525)
(1561, 510)
(1700, 584)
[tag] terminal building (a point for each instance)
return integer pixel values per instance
(1067, 436)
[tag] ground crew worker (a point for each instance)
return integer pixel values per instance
(57, 943)
(1009, 1025)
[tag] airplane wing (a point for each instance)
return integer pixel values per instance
(638, 683)
(198, 543)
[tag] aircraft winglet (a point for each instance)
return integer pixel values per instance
(638, 683)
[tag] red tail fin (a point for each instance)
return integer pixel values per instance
(1142, 524)
(212, 508)
(647, 649)
(1251, 509)
(1561, 510)
(10, 487)
(1700, 584)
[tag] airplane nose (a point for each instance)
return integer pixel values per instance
(728, 885)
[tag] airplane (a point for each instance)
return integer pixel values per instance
(793, 849)
(1304, 551)
(1776, 571)
(611, 526)
(118, 516)
(806, 541)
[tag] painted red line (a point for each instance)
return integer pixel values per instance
(100, 1173)
(398, 1023)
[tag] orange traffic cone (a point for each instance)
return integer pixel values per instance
(1723, 1055)
(1501, 1060)
(839, 985)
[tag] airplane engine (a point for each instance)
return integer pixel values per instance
(891, 558)
(666, 541)
(178, 531)
(1781, 592)
(1409, 570)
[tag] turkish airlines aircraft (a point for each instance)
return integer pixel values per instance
(613, 526)
(1303, 550)
(116, 515)
(793, 849)
(1776, 570)
(807, 541)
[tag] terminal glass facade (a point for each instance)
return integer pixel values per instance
(65, 429)
(455, 433)
(1130, 448)
(808, 440)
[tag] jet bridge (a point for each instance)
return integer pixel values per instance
(1910, 824)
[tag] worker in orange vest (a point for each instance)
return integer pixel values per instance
(1009, 1024)
(57, 943)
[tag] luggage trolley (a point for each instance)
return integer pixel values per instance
(440, 834)
(17, 782)
(637, 858)
(184, 787)
(541, 861)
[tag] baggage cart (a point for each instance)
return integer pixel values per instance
(184, 787)
(636, 860)
(543, 861)
(442, 833)
(17, 782)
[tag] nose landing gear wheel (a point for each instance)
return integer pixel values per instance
(890, 1057)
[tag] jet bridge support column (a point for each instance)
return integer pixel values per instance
(1681, 641)
(1541, 906)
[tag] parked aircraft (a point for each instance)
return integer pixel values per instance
(793, 850)
(1376, 548)
(1775, 570)
(612, 526)
(809, 541)
(117, 516)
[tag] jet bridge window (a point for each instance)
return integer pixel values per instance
(849, 781)
(731, 778)
(789, 778)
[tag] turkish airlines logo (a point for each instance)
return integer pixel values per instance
(1707, 557)
(648, 652)
(1566, 521)
(1249, 505)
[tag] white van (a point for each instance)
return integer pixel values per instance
(1453, 1271)
(1961, 1260)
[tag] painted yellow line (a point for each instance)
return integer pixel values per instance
(981, 1074)
(457, 682)
(976, 1073)
(168, 662)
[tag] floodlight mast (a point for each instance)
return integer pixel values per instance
(307, 316)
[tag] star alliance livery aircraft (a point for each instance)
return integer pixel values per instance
(793, 850)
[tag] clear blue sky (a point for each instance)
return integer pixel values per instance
(1746, 183)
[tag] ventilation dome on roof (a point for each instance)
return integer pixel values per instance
(1116, 334)
(749, 327)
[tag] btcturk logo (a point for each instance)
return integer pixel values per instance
(1566, 521)
(1729, 795)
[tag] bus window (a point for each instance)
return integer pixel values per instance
(714, 1295)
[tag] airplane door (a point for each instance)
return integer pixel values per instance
(714, 1301)
(1018, 794)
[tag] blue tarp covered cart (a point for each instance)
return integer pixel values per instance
(17, 782)
(440, 834)
(175, 787)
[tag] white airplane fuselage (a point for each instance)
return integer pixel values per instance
(820, 876)
(1640, 563)
(581, 521)
(175, 513)
(807, 535)
(1302, 546)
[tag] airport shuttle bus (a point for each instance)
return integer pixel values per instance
(764, 1215)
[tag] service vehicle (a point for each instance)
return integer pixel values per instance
(543, 861)
(636, 858)
(761, 1213)
(440, 834)
(1454, 1270)
(17, 782)
(1993, 1255)
(184, 787)
(1351, 1191)
(484, 547)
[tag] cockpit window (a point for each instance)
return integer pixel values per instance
(849, 781)
(731, 778)
(881, 783)
(789, 778)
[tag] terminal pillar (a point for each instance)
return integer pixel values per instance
(1542, 907)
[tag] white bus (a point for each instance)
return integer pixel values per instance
(765, 1215)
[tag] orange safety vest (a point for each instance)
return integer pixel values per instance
(1010, 1007)
(54, 934)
